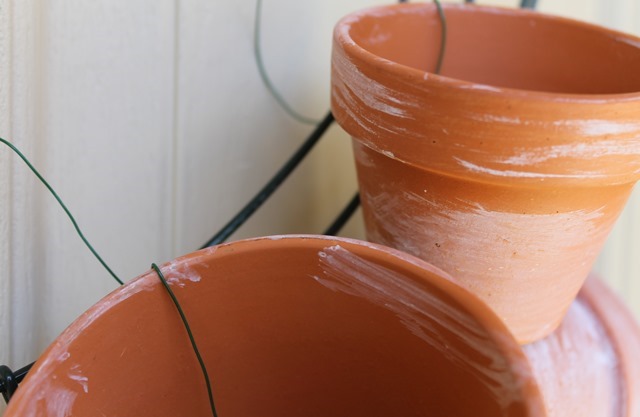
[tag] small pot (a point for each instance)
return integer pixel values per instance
(287, 326)
(509, 170)
(589, 366)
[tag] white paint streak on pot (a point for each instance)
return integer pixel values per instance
(509, 169)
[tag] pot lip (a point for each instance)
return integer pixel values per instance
(353, 49)
(502, 339)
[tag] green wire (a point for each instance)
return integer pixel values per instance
(265, 77)
(154, 266)
(64, 207)
(278, 97)
(443, 37)
(191, 338)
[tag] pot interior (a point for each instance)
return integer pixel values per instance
(287, 327)
(504, 48)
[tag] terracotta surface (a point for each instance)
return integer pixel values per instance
(589, 366)
(288, 326)
(624, 333)
(507, 172)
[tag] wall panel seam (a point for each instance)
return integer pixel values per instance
(7, 173)
(175, 140)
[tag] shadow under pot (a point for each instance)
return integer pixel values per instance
(507, 171)
(287, 326)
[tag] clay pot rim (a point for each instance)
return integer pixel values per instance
(430, 274)
(417, 76)
(502, 339)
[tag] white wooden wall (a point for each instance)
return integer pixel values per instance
(149, 118)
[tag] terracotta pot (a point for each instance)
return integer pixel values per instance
(589, 366)
(288, 326)
(507, 172)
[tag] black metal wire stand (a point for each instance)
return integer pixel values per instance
(10, 380)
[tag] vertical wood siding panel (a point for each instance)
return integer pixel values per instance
(21, 122)
(107, 126)
(632, 274)
(5, 189)
(232, 136)
(91, 103)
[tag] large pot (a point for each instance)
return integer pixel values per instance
(287, 326)
(509, 170)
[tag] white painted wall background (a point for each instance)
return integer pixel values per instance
(149, 118)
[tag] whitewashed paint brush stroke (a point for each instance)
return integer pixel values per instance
(425, 315)
(577, 368)
(490, 252)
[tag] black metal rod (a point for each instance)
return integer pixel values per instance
(21, 373)
(255, 203)
(9, 380)
(344, 216)
(528, 4)
(8, 384)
